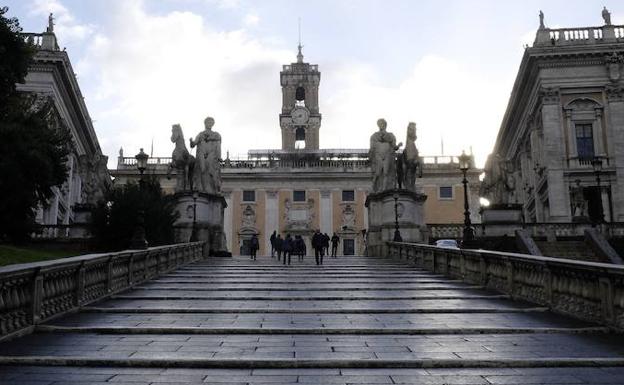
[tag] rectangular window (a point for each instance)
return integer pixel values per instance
(348, 195)
(299, 196)
(348, 247)
(446, 192)
(249, 196)
(584, 141)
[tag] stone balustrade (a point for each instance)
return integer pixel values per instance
(585, 290)
(35, 292)
(576, 36)
(570, 229)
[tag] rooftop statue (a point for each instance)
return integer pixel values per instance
(412, 167)
(208, 159)
(606, 16)
(181, 161)
(382, 155)
(541, 18)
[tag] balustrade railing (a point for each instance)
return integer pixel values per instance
(585, 290)
(35, 292)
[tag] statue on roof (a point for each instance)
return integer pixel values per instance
(541, 18)
(606, 16)
(50, 28)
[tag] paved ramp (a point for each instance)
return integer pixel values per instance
(354, 320)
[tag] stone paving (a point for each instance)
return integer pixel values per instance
(355, 320)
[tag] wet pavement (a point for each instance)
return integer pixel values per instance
(354, 320)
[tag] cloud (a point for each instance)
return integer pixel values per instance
(251, 20)
(444, 99)
(66, 27)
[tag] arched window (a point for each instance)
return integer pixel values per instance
(300, 93)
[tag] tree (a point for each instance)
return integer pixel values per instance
(34, 142)
(115, 219)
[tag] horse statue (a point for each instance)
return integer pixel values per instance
(412, 166)
(181, 161)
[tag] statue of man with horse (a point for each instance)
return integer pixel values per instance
(181, 161)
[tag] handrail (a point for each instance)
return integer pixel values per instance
(586, 290)
(33, 293)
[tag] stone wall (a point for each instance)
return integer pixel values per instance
(585, 290)
(33, 293)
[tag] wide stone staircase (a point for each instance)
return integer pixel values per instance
(354, 320)
(569, 249)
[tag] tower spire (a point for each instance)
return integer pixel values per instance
(299, 54)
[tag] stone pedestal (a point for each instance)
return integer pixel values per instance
(83, 220)
(502, 214)
(209, 210)
(381, 219)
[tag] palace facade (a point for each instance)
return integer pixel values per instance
(51, 76)
(559, 153)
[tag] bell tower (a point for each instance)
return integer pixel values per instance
(300, 119)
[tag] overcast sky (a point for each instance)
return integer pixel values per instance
(145, 65)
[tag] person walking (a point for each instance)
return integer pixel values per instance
(272, 240)
(279, 244)
(317, 245)
(325, 244)
(287, 248)
(334, 242)
(299, 247)
(255, 245)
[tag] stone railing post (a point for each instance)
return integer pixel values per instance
(509, 267)
(80, 283)
(109, 275)
(37, 297)
(548, 285)
(607, 299)
(130, 269)
(483, 270)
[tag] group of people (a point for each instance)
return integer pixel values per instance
(289, 246)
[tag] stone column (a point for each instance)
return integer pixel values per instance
(326, 211)
(598, 133)
(227, 220)
(553, 156)
(271, 221)
(615, 122)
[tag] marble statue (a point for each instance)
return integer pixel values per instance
(606, 16)
(541, 18)
(412, 167)
(579, 204)
(382, 156)
(181, 161)
(207, 159)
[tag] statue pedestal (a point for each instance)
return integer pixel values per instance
(83, 220)
(209, 209)
(381, 219)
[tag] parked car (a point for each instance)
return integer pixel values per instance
(447, 243)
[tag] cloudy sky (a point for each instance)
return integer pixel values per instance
(146, 64)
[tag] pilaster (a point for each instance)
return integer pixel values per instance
(615, 122)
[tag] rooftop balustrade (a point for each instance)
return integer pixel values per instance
(576, 36)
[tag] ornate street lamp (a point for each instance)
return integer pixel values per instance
(464, 166)
(194, 230)
(397, 233)
(138, 238)
(596, 163)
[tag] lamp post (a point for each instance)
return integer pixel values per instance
(397, 233)
(468, 235)
(138, 238)
(596, 163)
(194, 230)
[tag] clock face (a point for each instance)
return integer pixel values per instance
(300, 115)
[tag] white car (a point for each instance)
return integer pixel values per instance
(447, 243)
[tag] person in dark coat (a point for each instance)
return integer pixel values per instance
(334, 242)
(279, 244)
(317, 244)
(254, 246)
(272, 240)
(325, 244)
(287, 248)
(300, 247)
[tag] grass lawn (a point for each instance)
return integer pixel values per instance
(12, 254)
